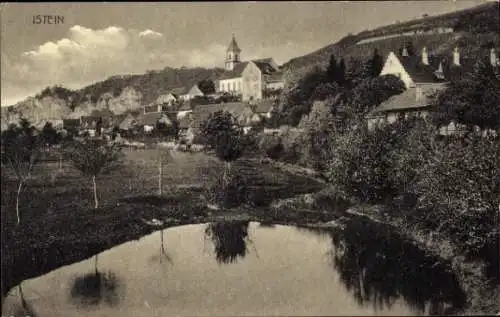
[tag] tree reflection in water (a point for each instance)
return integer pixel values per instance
(163, 257)
(94, 288)
(229, 239)
(379, 266)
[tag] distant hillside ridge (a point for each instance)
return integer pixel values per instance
(473, 30)
(118, 93)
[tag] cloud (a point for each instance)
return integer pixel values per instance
(150, 33)
(84, 56)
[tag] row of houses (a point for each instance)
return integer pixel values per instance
(187, 117)
(423, 76)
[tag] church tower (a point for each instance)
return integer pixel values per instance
(232, 54)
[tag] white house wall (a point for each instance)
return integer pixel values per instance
(234, 85)
(393, 66)
(252, 82)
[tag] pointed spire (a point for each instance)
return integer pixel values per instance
(233, 46)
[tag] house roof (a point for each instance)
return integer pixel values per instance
(264, 106)
(265, 66)
(71, 123)
(236, 72)
(407, 100)
(195, 90)
(151, 118)
(127, 121)
(275, 77)
(101, 113)
(185, 106)
(203, 112)
(418, 71)
(178, 91)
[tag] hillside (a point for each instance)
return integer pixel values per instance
(473, 30)
(117, 93)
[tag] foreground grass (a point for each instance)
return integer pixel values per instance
(59, 226)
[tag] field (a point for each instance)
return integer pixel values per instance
(60, 226)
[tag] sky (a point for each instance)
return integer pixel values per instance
(99, 40)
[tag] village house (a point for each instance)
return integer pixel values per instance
(97, 117)
(423, 77)
(149, 120)
(248, 79)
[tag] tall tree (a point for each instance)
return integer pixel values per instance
(377, 63)
(93, 157)
(341, 73)
(332, 70)
(22, 149)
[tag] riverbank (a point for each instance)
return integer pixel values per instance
(44, 243)
(483, 296)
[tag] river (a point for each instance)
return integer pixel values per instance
(245, 268)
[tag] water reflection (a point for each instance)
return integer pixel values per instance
(229, 239)
(379, 267)
(95, 288)
(163, 256)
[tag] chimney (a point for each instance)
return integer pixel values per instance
(439, 72)
(425, 56)
(404, 52)
(493, 57)
(456, 57)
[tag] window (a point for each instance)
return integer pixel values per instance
(229, 56)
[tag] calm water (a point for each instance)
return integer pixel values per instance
(242, 268)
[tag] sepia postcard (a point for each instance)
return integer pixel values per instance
(260, 158)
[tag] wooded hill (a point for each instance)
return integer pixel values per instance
(474, 30)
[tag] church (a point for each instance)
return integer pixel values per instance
(252, 80)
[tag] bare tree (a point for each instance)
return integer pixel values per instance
(163, 156)
(22, 148)
(93, 157)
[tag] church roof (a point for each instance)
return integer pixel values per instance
(236, 72)
(233, 46)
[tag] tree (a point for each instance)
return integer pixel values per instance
(226, 138)
(341, 73)
(472, 100)
(22, 149)
(207, 86)
(93, 157)
(376, 63)
(358, 71)
(332, 70)
(297, 101)
(163, 155)
(318, 135)
(372, 92)
(49, 135)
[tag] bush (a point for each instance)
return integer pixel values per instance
(459, 194)
(271, 146)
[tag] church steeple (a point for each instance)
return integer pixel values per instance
(232, 54)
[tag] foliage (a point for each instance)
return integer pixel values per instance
(49, 135)
(372, 92)
(473, 100)
(163, 129)
(316, 139)
(21, 151)
(459, 193)
(271, 146)
(223, 135)
(207, 86)
(94, 156)
(298, 100)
